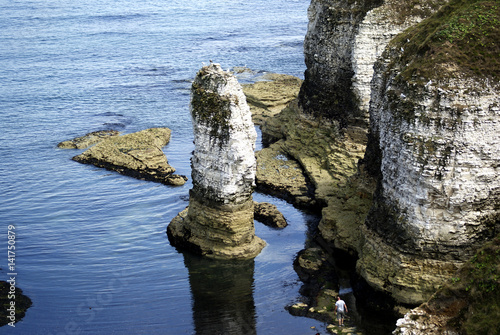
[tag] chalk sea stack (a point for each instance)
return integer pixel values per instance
(218, 222)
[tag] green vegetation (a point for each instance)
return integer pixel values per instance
(213, 110)
(463, 36)
(471, 299)
(413, 8)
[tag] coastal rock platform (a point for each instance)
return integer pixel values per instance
(137, 155)
(87, 140)
(270, 94)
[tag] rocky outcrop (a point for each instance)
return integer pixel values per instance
(219, 221)
(332, 182)
(328, 51)
(327, 132)
(342, 42)
(270, 94)
(467, 303)
(138, 155)
(378, 27)
(281, 175)
(269, 215)
(434, 145)
(87, 140)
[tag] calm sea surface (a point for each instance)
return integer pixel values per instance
(91, 248)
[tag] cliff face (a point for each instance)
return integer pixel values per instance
(432, 149)
(343, 40)
(434, 143)
(328, 51)
(433, 105)
(378, 27)
(438, 194)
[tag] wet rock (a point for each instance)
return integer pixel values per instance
(22, 303)
(269, 215)
(138, 155)
(309, 264)
(219, 221)
(87, 140)
(270, 94)
(280, 175)
(298, 309)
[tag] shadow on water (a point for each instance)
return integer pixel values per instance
(222, 293)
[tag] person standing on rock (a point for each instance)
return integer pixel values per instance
(341, 309)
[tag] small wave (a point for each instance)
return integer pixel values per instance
(109, 33)
(118, 17)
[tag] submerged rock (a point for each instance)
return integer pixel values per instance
(22, 303)
(138, 155)
(87, 140)
(218, 222)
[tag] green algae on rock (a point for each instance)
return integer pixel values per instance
(22, 303)
(467, 303)
(87, 140)
(270, 94)
(138, 155)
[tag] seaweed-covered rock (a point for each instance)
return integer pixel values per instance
(22, 303)
(87, 140)
(270, 94)
(138, 155)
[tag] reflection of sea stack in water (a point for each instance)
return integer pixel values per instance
(219, 219)
(222, 292)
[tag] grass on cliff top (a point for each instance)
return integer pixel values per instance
(472, 297)
(463, 36)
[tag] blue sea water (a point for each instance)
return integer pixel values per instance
(91, 249)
